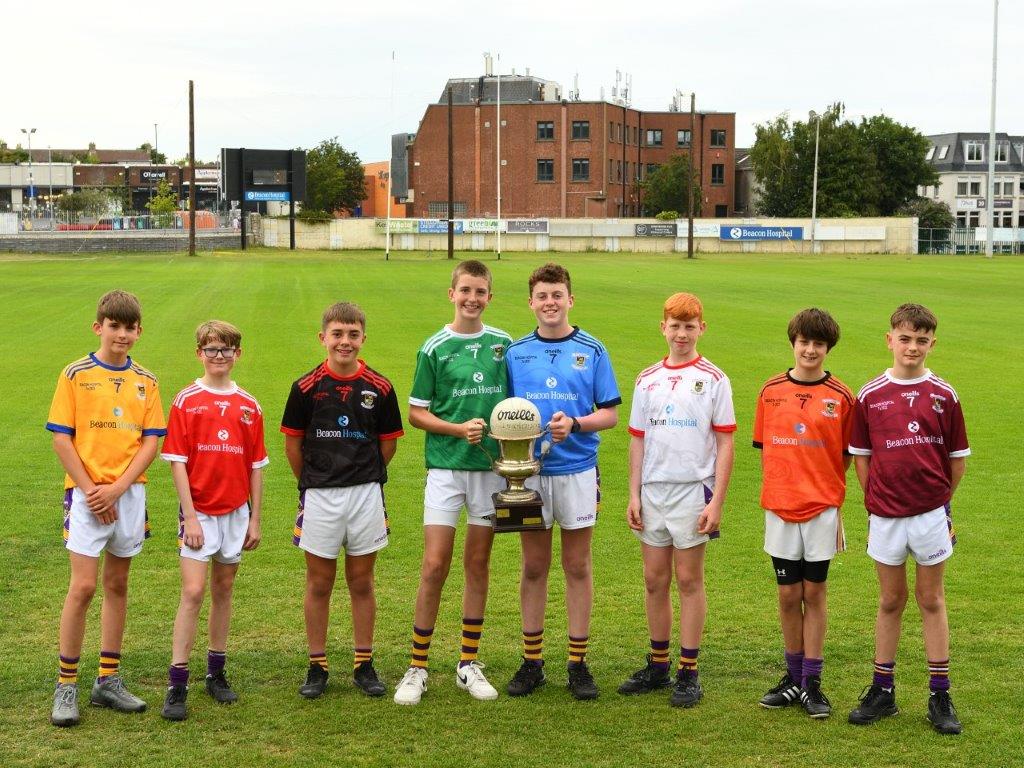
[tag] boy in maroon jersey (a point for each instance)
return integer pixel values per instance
(910, 446)
(341, 426)
(217, 454)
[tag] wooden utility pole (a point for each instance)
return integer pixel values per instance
(689, 191)
(451, 181)
(192, 167)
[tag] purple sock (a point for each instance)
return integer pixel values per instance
(178, 674)
(687, 666)
(795, 666)
(659, 654)
(811, 668)
(885, 674)
(938, 675)
(215, 661)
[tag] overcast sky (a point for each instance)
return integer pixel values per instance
(290, 74)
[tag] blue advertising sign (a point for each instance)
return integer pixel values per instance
(259, 196)
(438, 227)
(761, 233)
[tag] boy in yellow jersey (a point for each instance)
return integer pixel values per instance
(106, 421)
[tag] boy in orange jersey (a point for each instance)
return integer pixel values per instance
(802, 427)
(106, 422)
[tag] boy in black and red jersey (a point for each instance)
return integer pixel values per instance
(910, 446)
(341, 425)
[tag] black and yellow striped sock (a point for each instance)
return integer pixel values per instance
(320, 659)
(420, 647)
(110, 664)
(533, 646)
(471, 631)
(67, 673)
(659, 654)
(578, 649)
(361, 656)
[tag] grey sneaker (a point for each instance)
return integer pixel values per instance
(112, 693)
(65, 705)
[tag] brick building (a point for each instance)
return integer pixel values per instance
(560, 158)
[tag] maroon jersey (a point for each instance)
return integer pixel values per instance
(910, 429)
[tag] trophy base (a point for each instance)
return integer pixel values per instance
(517, 515)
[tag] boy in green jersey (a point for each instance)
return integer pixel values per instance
(460, 377)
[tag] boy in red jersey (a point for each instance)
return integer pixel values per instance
(802, 427)
(341, 426)
(216, 450)
(910, 446)
(680, 460)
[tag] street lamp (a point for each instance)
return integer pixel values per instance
(814, 188)
(31, 186)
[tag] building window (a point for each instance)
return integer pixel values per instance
(651, 168)
(931, 153)
(1002, 152)
(974, 220)
(717, 174)
(545, 130)
(721, 211)
(961, 188)
(653, 137)
(580, 169)
(1007, 188)
(683, 137)
(618, 170)
(974, 151)
(717, 138)
(961, 220)
(581, 129)
(975, 189)
(943, 152)
(1007, 220)
(439, 210)
(611, 132)
(545, 170)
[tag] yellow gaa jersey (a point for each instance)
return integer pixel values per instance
(107, 411)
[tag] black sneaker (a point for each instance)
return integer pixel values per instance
(815, 703)
(316, 682)
(527, 679)
(174, 703)
(650, 678)
(875, 703)
(581, 682)
(942, 713)
(686, 692)
(366, 680)
(219, 689)
(782, 695)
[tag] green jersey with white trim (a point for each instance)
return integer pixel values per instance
(460, 377)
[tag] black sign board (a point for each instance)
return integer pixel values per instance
(153, 175)
(536, 226)
(279, 173)
(658, 229)
(263, 178)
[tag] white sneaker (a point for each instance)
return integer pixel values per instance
(412, 687)
(471, 678)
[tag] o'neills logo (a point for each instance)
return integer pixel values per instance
(517, 415)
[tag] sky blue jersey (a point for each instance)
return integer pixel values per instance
(573, 375)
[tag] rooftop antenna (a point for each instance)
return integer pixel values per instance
(574, 94)
(628, 89)
(488, 64)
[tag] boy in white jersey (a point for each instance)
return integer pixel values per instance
(217, 453)
(460, 377)
(680, 460)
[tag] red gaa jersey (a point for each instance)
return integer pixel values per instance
(218, 435)
(910, 429)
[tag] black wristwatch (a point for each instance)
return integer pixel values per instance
(575, 425)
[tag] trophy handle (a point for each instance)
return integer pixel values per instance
(480, 445)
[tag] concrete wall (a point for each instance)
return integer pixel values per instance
(107, 242)
(866, 235)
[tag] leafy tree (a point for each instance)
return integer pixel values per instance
(931, 214)
(334, 178)
(667, 215)
(16, 155)
(163, 205)
(899, 152)
(91, 202)
(156, 158)
(665, 189)
(774, 160)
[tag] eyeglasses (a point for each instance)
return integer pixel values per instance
(228, 353)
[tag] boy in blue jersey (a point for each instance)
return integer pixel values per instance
(567, 374)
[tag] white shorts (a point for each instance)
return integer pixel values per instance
(670, 510)
(928, 537)
(85, 535)
(570, 500)
(814, 540)
(449, 490)
(332, 519)
(223, 536)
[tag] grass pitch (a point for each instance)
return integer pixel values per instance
(276, 298)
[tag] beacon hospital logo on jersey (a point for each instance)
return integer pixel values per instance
(672, 421)
(551, 382)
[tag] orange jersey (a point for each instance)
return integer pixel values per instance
(803, 431)
(107, 411)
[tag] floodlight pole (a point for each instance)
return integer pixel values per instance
(814, 188)
(451, 183)
(49, 161)
(31, 181)
(499, 158)
(689, 191)
(989, 236)
(391, 119)
(192, 167)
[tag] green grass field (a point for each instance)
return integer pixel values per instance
(276, 298)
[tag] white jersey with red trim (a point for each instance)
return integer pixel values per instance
(218, 435)
(677, 410)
